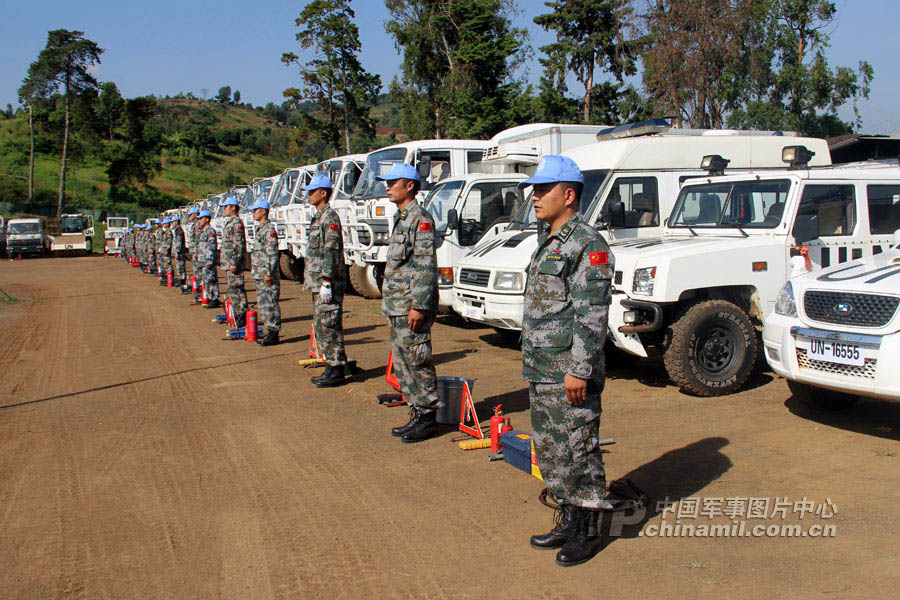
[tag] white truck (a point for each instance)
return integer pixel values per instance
(73, 232)
(112, 237)
(634, 172)
(833, 332)
(372, 223)
(26, 236)
(698, 294)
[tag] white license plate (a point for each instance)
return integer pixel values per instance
(473, 312)
(69, 247)
(834, 351)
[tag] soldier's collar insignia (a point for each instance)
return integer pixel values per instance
(553, 256)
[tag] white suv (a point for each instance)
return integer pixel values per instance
(833, 331)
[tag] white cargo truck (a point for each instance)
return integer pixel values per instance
(632, 177)
(26, 236)
(73, 232)
(698, 293)
(112, 237)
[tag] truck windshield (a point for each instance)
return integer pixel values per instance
(23, 228)
(281, 195)
(377, 163)
(71, 224)
(114, 222)
(440, 200)
(731, 204)
(593, 181)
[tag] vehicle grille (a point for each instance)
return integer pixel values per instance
(865, 371)
(474, 277)
(867, 310)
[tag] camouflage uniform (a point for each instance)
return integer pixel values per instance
(207, 257)
(233, 244)
(164, 250)
(410, 281)
(152, 242)
(563, 331)
(265, 263)
(325, 260)
(179, 253)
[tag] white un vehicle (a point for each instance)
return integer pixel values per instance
(698, 294)
(833, 331)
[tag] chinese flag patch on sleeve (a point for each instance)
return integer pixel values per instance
(599, 258)
(424, 226)
(273, 234)
(333, 227)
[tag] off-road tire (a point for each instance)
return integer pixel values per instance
(820, 398)
(291, 268)
(364, 280)
(713, 348)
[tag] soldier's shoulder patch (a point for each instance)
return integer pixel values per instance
(273, 234)
(333, 226)
(240, 227)
(424, 226)
(599, 258)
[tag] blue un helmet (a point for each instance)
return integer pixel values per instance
(318, 181)
(230, 201)
(260, 204)
(554, 168)
(204, 213)
(400, 171)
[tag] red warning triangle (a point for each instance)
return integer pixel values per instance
(466, 412)
(389, 374)
(314, 345)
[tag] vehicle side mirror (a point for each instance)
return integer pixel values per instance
(452, 219)
(615, 216)
(423, 167)
(806, 228)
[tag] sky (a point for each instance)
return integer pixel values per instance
(170, 46)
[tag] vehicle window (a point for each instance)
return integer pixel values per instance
(641, 199)
(440, 167)
(349, 178)
(485, 205)
(377, 163)
(834, 205)
(23, 228)
(884, 208)
(440, 200)
(71, 225)
(118, 222)
(593, 182)
(745, 204)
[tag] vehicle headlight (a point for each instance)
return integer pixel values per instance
(508, 280)
(643, 281)
(784, 302)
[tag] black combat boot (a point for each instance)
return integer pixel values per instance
(271, 339)
(332, 377)
(185, 290)
(585, 541)
(213, 304)
(559, 535)
(424, 428)
(413, 417)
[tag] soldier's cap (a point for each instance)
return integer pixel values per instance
(318, 182)
(400, 171)
(193, 210)
(204, 213)
(175, 218)
(231, 201)
(554, 168)
(165, 222)
(260, 204)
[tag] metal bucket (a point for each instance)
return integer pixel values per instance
(450, 392)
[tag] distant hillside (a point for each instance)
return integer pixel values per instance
(207, 146)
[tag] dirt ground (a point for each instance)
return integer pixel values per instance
(141, 456)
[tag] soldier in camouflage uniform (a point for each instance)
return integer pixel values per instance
(266, 273)
(233, 247)
(207, 258)
(326, 278)
(164, 251)
(190, 239)
(409, 300)
(179, 253)
(152, 243)
(563, 332)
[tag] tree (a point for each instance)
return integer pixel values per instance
(790, 84)
(224, 95)
(135, 159)
(64, 63)
(112, 107)
(237, 96)
(334, 78)
(590, 34)
(458, 60)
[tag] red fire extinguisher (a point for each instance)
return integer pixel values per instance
(170, 281)
(194, 289)
(250, 326)
(203, 299)
(499, 426)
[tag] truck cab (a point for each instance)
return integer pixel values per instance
(112, 237)
(632, 176)
(73, 232)
(698, 293)
(26, 236)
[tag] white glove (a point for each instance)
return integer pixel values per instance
(325, 292)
